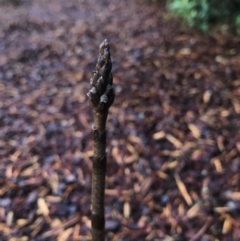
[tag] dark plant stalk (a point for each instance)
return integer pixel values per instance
(101, 97)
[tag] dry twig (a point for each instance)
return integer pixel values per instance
(101, 97)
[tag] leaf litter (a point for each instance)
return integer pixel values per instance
(173, 132)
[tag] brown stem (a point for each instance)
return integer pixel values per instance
(101, 97)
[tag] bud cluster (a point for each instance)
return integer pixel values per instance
(101, 92)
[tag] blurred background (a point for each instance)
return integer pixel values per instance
(173, 130)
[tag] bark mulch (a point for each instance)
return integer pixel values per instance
(173, 131)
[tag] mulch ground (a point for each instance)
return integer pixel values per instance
(173, 131)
